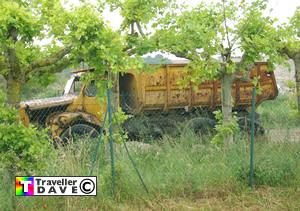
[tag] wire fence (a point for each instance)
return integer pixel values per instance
(275, 157)
(276, 127)
(272, 152)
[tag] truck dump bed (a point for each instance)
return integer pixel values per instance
(161, 90)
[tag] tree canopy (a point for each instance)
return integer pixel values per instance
(290, 40)
(40, 37)
(214, 35)
(23, 25)
(290, 35)
(221, 39)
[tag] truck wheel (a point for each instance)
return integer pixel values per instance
(245, 125)
(164, 126)
(200, 125)
(137, 128)
(144, 128)
(78, 132)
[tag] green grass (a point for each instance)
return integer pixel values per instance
(181, 173)
(279, 113)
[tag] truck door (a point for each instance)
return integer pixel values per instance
(91, 102)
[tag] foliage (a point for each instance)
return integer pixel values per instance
(98, 45)
(223, 40)
(22, 24)
(32, 42)
(213, 35)
(202, 170)
(137, 17)
(138, 11)
(119, 117)
(290, 41)
(224, 129)
(21, 149)
(39, 38)
(290, 35)
(7, 115)
(280, 113)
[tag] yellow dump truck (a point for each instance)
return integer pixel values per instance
(155, 96)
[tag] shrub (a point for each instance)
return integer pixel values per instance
(22, 149)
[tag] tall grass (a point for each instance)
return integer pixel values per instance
(279, 113)
(185, 167)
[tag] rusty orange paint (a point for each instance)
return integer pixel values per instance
(161, 89)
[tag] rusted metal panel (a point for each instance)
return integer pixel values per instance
(48, 102)
(203, 95)
(167, 75)
(162, 90)
(155, 98)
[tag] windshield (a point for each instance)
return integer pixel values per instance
(73, 86)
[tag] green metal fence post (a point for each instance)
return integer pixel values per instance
(252, 138)
(111, 142)
(97, 149)
(135, 167)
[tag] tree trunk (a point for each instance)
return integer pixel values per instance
(14, 74)
(14, 79)
(116, 90)
(13, 91)
(226, 83)
(297, 77)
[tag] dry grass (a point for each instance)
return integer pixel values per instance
(263, 198)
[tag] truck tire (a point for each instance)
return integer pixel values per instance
(148, 128)
(164, 126)
(137, 128)
(245, 125)
(77, 132)
(200, 125)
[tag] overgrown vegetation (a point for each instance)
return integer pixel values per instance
(179, 171)
(52, 86)
(280, 113)
(23, 151)
(183, 170)
(202, 171)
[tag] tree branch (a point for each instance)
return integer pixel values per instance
(130, 51)
(52, 59)
(140, 29)
(54, 68)
(242, 77)
(132, 28)
(242, 65)
(287, 52)
(225, 24)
